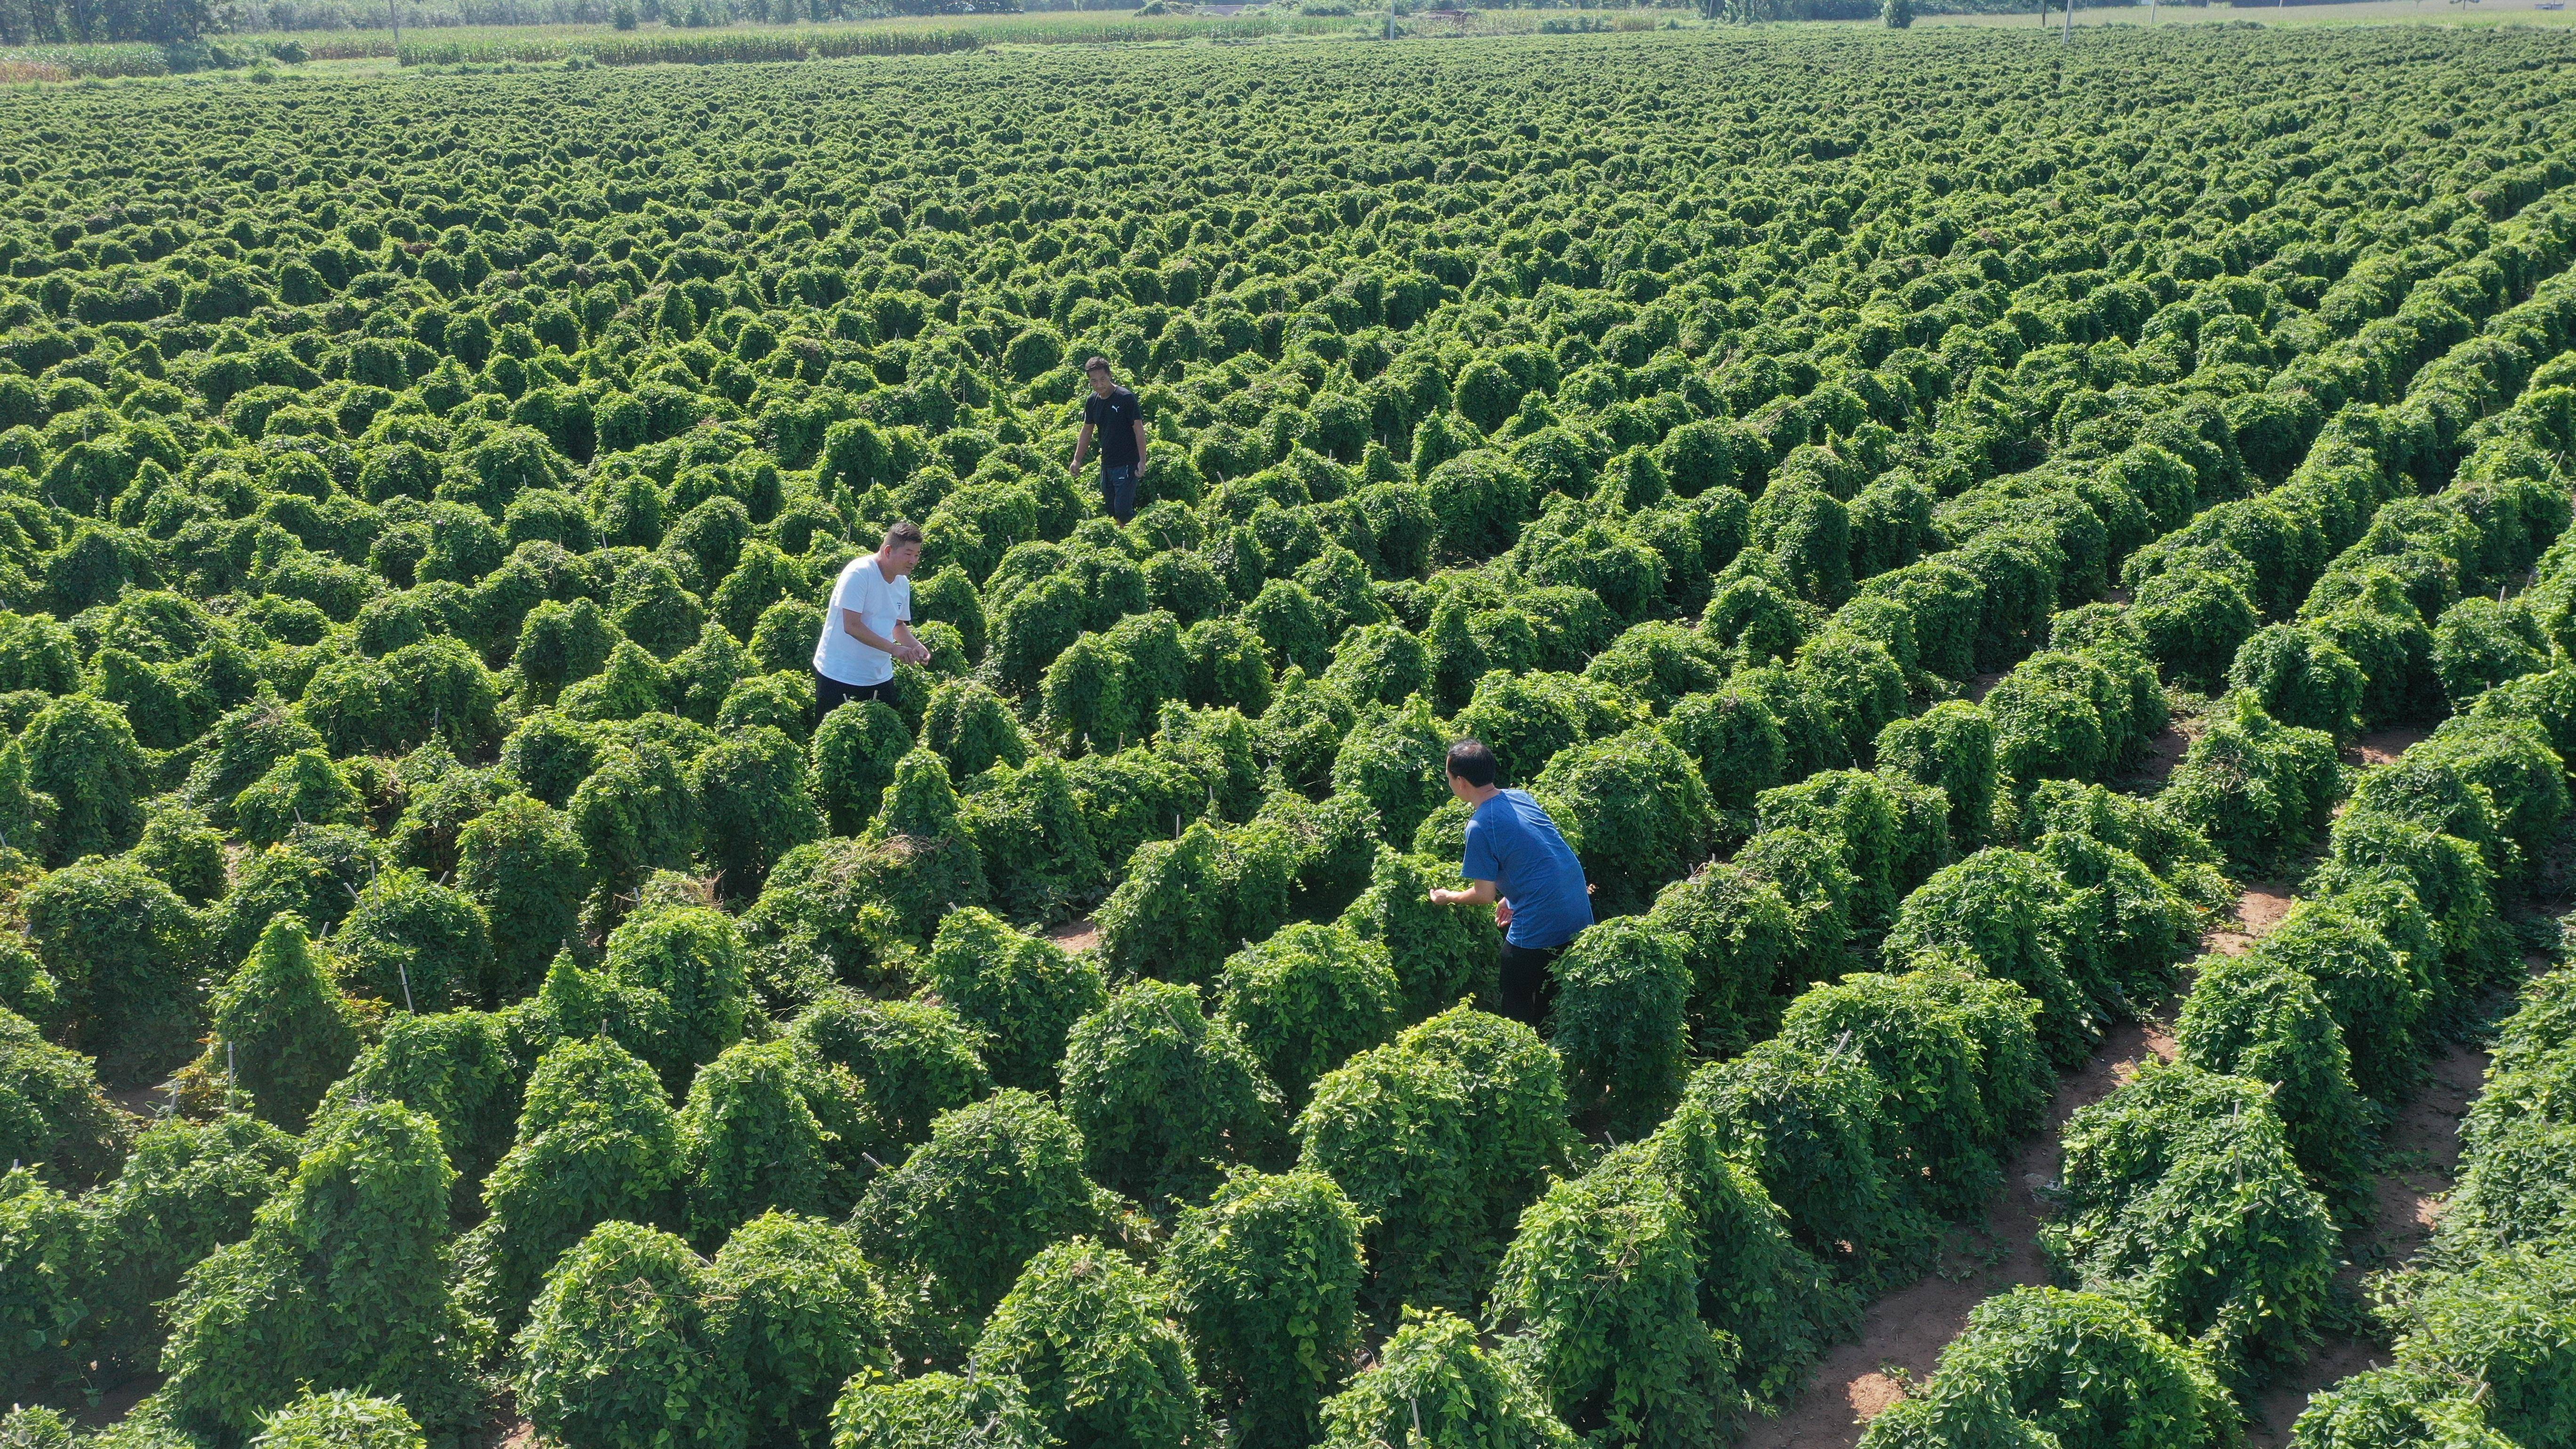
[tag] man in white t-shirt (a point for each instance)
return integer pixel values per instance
(869, 624)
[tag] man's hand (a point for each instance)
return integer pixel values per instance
(1476, 894)
(1074, 468)
(1503, 914)
(915, 652)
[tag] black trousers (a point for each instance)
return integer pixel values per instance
(1118, 490)
(1529, 982)
(830, 694)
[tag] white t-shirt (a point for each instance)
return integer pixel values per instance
(863, 590)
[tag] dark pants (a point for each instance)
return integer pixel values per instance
(1529, 982)
(1118, 490)
(830, 694)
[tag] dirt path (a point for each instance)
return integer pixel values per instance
(2419, 1160)
(2381, 746)
(2419, 1163)
(2420, 1157)
(2163, 753)
(1903, 1333)
(144, 1103)
(114, 1404)
(2258, 910)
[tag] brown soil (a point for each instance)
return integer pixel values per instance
(2279, 1406)
(2420, 1158)
(1903, 1333)
(2379, 747)
(116, 1403)
(143, 1102)
(2163, 753)
(2422, 1153)
(1079, 935)
(2258, 910)
(1978, 686)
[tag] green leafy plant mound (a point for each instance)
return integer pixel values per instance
(1440, 1138)
(2254, 786)
(754, 1136)
(2261, 1018)
(1022, 993)
(341, 1284)
(2183, 1200)
(932, 1410)
(340, 1420)
(1619, 1020)
(283, 1033)
(1163, 1095)
(1957, 1064)
(58, 1122)
(1434, 1371)
(1083, 1332)
(623, 1347)
(1307, 998)
(952, 1226)
(803, 1309)
(2006, 1380)
(1265, 1280)
(596, 1142)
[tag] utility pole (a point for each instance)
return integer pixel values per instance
(394, 9)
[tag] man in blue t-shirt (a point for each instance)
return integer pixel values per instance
(1518, 861)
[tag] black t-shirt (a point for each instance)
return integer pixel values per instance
(1113, 422)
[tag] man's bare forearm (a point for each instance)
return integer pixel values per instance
(851, 626)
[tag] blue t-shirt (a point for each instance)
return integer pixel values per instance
(1511, 842)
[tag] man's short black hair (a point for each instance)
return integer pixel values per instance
(1099, 364)
(905, 533)
(1471, 761)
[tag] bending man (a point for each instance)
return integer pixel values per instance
(868, 625)
(1518, 861)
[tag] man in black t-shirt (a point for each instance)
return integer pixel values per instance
(1111, 411)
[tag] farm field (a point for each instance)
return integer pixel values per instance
(922, 34)
(2359, 12)
(343, 54)
(1096, 27)
(2034, 581)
